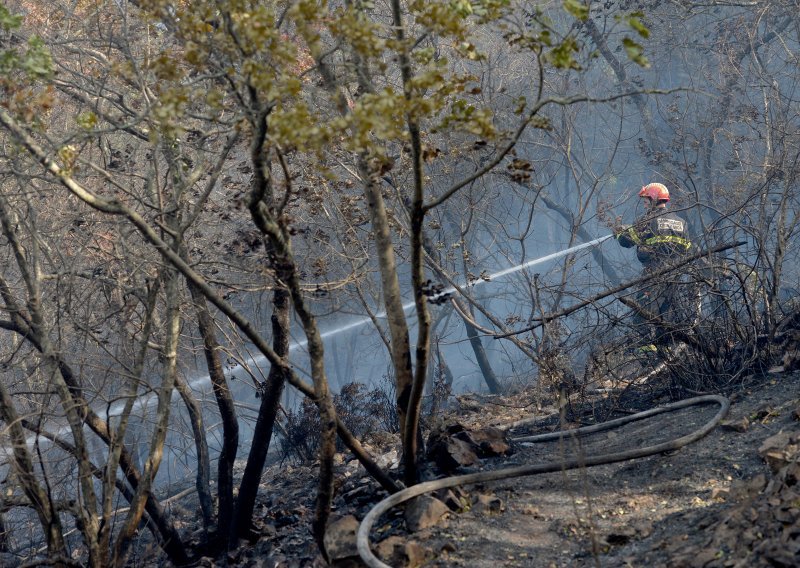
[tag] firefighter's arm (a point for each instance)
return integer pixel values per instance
(627, 235)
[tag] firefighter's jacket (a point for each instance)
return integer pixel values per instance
(658, 237)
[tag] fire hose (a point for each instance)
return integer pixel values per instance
(362, 539)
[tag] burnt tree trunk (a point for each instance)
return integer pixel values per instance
(480, 356)
(227, 411)
(202, 480)
(267, 413)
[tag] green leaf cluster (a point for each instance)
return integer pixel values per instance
(443, 19)
(37, 61)
(562, 56)
(635, 52)
(377, 116)
(633, 49)
(296, 128)
(170, 110)
(362, 34)
(165, 67)
(475, 120)
(24, 74)
(9, 21)
(490, 10)
(634, 20)
(578, 9)
(541, 37)
(532, 41)
(86, 120)
(34, 62)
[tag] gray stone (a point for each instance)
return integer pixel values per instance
(452, 453)
(395, 551)
(488, 504)
(487, 442)
(455, 446)
(780, 449)
(340, 538)
(424, 512)
(450, 499)
(741, 425)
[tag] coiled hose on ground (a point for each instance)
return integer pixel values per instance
(520, 471)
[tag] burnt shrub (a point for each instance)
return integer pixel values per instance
(364, 411)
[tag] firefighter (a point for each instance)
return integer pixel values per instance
(660, 236)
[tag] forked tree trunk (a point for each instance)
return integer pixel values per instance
(26, 257)
(227, 411)
(410, 431)
(392, 298)
(169, 363)
(267, 413)
(202, 479)
(266, 215)
(22, 466)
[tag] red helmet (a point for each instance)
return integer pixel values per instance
(655, 191)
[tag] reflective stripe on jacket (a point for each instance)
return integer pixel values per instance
(659, 236)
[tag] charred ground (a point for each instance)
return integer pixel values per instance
(729, 499)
